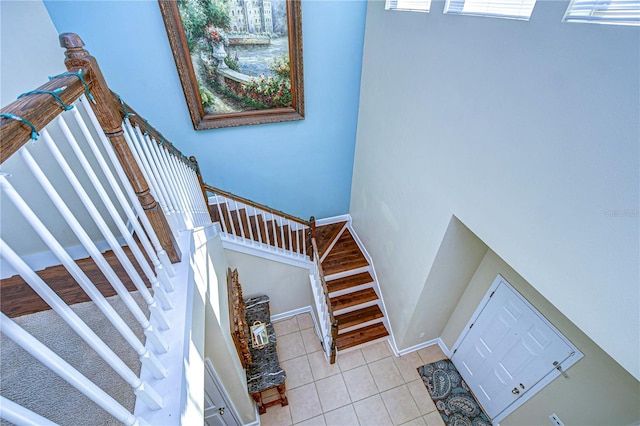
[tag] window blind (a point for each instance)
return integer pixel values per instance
(512, 9)
(409, 5)
(620, 12)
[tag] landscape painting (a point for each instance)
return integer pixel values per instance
(239, 61)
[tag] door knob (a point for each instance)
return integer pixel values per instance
(515, 391)
(221, 411)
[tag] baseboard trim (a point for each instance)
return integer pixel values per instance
(437, 341)
(334, 219)
(293, 313)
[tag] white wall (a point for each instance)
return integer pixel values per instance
(525, 131)
(287, 286)
(29, 48)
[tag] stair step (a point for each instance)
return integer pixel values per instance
(361, 335)
(349, 281)
(325, 235)
(353, 299)
(344, 255)
(359, 316)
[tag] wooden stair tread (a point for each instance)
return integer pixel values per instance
(353, 299)
(17, 298)
(345, 255)
(325, 235)
(362, 335)
(359, 316)
(349, 281)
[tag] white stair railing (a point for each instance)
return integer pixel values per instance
(256, 226)
(326, 320)
(173, 182)
(108, 201)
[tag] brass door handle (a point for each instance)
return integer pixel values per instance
(221, 411)
(515, 391)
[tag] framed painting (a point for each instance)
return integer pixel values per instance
(239, 61)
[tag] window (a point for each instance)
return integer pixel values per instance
(409, 5)
(619, 12)
(511, 9)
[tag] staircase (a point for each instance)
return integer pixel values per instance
(348, 275)
(355, 303)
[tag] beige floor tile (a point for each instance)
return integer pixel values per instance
(316, 421)
(304, 321)
(434, 419)
(350, 360)
(360, 383)
(385, 374)
(304, 403)
(376, 351)
(276, 415)
(431, 354)
(400, 405)
(416, 422)
(408, 365)
(421, 397)
(345, 416)
(298, 371)
(320, 367)
(372, 411)
(286, 326)
(332, 392)
(290, 346)
(311, 340)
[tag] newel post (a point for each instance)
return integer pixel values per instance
(193, 160)
(111, 122)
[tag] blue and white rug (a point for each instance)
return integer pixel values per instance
(453, 398)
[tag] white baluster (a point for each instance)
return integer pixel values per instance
(135, 203)
(83, 281)
(239, 219)
(18, 415)
(74, 321)
(72, 376)
(222, 221)
(154, 176)
(84, 238)
(164, 176)
(104, 228)
(111, 208)
(161, 273)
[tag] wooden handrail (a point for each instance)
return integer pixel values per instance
(108, 115)
(248, 202)
(39, 110)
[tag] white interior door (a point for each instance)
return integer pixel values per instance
(216, 410)
(508, 349)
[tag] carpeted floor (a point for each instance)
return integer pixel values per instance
(453, 398)
(27, 382)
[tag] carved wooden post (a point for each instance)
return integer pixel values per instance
(204, 192)
(312, 234)
(109, 117)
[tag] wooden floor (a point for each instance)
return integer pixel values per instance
(17, 298)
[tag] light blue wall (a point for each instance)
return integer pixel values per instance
(304, 167)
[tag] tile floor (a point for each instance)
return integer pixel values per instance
(368, 386)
